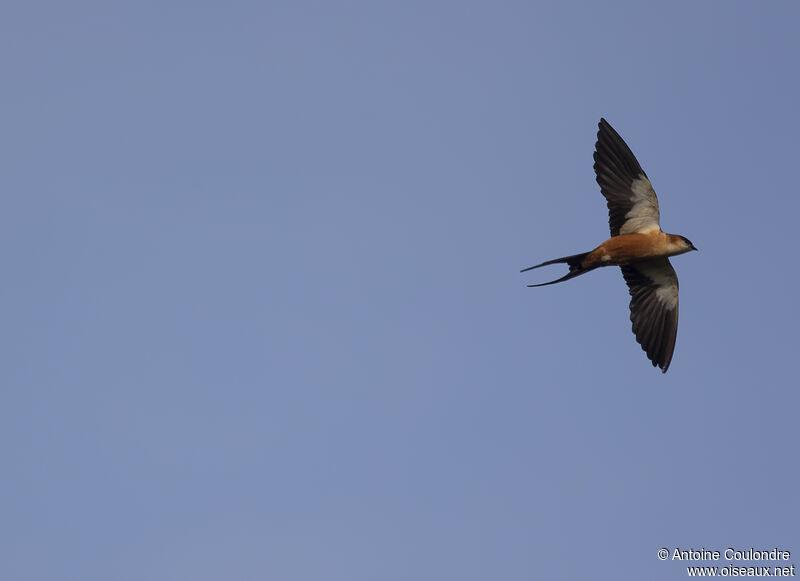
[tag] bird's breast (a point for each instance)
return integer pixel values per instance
(626, 249)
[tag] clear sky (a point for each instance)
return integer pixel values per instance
(262, 315)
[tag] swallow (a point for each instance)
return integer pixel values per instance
(637, 245)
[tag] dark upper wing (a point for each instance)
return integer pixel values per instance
(632, 202)
(653, 285)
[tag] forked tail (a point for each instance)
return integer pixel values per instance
(574, 263)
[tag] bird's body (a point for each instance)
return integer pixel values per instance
(637, 245)
(629, 248)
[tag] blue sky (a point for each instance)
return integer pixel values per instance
(262, 310)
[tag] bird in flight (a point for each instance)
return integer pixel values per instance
(637, 245)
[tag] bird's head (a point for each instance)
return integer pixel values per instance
(687, 243)
(678, 245)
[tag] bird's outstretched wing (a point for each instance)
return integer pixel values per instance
(653, 285)
(632, 202)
